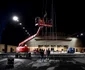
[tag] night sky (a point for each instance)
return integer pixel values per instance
(69, 17)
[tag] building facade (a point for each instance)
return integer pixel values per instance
(10, 48)
(55, 44)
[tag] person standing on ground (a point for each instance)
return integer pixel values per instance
(48, 53)
(42, 54)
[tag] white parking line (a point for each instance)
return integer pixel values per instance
(17, 64)
(3, 59)
(29, 64)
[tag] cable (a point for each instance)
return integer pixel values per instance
(52, 15)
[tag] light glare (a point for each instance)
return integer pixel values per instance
(81, 34)
(15, 18)
(20, 23)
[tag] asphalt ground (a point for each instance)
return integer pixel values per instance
(45, 64)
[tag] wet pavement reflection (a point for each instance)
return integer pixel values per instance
(38, 64)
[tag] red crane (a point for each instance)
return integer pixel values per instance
(38, 22)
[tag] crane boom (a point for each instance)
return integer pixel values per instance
(31, 37)
(39, 23)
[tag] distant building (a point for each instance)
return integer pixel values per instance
(55, 42)
(10, 48)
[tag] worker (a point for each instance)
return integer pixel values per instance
(48, 53)
(42, 54)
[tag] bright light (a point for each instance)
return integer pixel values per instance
(15, 18)
(25, 45)
(23, 27)
(20, 23)
(74, 39)
(36, 24)
(81, 34)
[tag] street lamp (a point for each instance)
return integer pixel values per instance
(15, 18)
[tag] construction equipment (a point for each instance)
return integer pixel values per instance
(22, 48)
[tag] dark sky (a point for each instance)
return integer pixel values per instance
(69, 17)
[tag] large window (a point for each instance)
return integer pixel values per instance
(40, 45)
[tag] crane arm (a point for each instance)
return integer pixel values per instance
(31, 37)
(39, 23)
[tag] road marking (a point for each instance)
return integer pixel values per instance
(3, 59)
(29, 64)
(74, 62)
(51, 68)
(17, 64)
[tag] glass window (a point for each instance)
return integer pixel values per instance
(40, 45)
